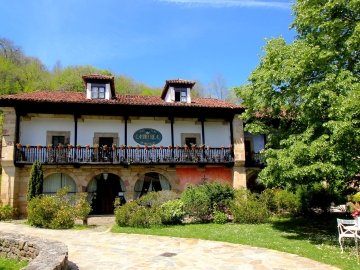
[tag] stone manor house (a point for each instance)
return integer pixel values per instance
(124, 146)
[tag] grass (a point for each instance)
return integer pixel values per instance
(315, 238)
(11, 264)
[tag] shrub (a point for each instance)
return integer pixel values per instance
(172, 212)
(7, 212)
(251, 207)
(64, 218)
(220, 217)
(58, 212)
(42, 210)
(167, 195)
(124, 213)
(142, 212)
(83, 208)
(220, 194)
(286, 202)
(315, 198)
(197, 204)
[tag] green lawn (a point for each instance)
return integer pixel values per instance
(315, 238)
(11, 264)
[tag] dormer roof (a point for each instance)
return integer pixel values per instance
(99, 78)
(176, 82)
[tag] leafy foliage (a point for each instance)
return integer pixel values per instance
(251, 207)
(305, 95)
(197, 203)
(172, 212)
(35, 182)
(58, 212)
(7, 212)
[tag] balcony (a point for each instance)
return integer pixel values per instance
(255, 160)
(142, 156)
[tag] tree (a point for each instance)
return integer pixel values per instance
(305, 95)
(217, 87)
(198, 91)
(35, 182)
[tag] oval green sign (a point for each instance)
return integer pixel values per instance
(147, 136)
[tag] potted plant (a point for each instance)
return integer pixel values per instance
(230, 146)
(69, 146)
(161, 147)
(153, 146)
(177, 147)
(222, 147)
(104, 147)
(96, 146)
(28, 146)
(60, 146)
(38, 146)
(113, 146)
(129, 146)
(138, 147)
(208, 147)
(49, 146)
(201, 146)
(78, 146)
(122, 146)
(18, 145)
(193, 146)
(186, 146)
(87, 146)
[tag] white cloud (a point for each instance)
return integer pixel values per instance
(232, 3)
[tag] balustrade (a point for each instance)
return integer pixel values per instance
(83, 155)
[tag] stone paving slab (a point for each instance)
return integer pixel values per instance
(91, 249)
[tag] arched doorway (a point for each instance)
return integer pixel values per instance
(151, 181)
(56, 181)
(102, 193)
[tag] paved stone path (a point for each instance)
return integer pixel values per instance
(100, 249)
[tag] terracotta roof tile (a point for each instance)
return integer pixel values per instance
(48, 96)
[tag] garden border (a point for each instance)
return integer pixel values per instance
(42, 254)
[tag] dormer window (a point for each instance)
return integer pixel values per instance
(98, 91)
(180, 94)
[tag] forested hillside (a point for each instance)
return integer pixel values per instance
(20, 73)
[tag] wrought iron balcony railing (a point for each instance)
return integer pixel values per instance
(255, 160)
(83, 155)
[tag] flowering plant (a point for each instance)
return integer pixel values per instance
(356, 213)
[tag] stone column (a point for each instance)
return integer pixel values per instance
(239, 172)
(10, 174)
(129, 196)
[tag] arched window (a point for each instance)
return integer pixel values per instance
(150, 182)
(55, 181)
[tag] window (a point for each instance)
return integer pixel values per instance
(180, 94)
(98, 91)
(55, 181)
(150, 182)
(189, 141)
(58, 139)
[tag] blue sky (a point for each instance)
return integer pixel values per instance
(149, 40)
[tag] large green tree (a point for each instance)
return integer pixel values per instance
(306, 96)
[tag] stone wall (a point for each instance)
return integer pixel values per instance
(41, 253)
